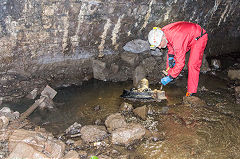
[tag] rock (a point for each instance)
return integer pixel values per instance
(154, 136)
(42, 142)
(70, 142)
(16, 114)
(237, 94)
(129, 58)
(5, 110)
(99, 70)
(71, 155)
(115, 121)
(73, 129)
(149, 64)
(159, 95)
(137, 46)
(141, 112)
(93, 133)
(23, 150)
(4, 135)
(32, 94)
(126, 107)
(216, 64)
(193, 101)
(138, 75)
(114, 68)
(4, 121)
(156, 52)
(234, 74)
(82, 154)
(128, 135)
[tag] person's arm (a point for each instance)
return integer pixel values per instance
(179, 63)
(180, 47)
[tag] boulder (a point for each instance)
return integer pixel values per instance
(42, 142)
(138, 75)
(99, 70)
(71, 155)
(141, 112)
(114, 68)
(93, 133)
(137, 46)
(23, 150)
(128, 135)
(126, 107)
(129, 58)
(234, 74)
(115, 121)
(149, 64)
(73, 129)
(4, 121)
(5, 111)
(193, 101)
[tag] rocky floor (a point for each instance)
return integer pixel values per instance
(202, 126)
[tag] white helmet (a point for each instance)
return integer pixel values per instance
(155, 37)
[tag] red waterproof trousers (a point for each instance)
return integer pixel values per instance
(182, 37)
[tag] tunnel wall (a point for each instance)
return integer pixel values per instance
(56, 39)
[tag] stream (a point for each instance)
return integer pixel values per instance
(210, 131)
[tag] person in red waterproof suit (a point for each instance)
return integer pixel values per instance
(180, 37)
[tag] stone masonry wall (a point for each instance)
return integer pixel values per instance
(46, 41)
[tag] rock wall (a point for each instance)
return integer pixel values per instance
(54, 41)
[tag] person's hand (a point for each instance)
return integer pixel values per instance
(166, 80)
(171, 62)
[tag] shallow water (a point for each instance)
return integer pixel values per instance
(210, 132)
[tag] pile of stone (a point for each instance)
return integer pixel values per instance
(37, 143)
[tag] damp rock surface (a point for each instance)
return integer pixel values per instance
(128, 135)
(137, 46)
(115, 121)
(93, 133)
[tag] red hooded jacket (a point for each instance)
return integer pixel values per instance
(181, 38)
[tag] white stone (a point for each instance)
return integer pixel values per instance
(5, 121)
(42, 142)
(5, 110)
(23, 150)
